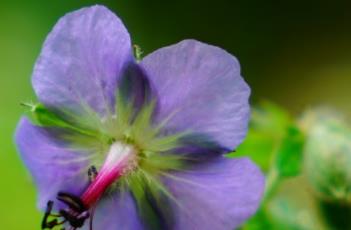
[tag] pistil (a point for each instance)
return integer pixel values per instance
(119, 161)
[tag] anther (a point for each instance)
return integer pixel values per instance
(75, 214)
(73, 220)
(45, 223)
(52, 224)
(72, 201)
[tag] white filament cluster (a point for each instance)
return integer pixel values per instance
(119, 155)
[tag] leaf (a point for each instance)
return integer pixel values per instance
(267, 127)
(270, 119)
(258, 222)
(289, 155)
(258, 147)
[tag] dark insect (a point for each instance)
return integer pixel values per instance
(92, 173)
(75, 214)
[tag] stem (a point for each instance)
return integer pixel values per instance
(272, 182)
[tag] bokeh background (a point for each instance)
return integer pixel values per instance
(294, 53)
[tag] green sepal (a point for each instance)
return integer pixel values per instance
(42, 116)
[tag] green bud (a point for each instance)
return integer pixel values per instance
(138, 52)
(328, 154)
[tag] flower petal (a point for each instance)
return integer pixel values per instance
(219, 195)
(116, 211)
(200, 85)
(53, 167)
(81, 61)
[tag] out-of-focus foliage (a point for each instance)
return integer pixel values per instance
(274, 129)
(269, 124)
(274, 141)
(289, 154)
(314, 154)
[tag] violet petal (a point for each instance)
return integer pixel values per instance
(200, 85)
(116, 211)
(218, 195)
(53, 167)
(81, 61)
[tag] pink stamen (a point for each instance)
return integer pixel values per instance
(118, 161)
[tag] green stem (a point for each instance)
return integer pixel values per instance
(272, 181)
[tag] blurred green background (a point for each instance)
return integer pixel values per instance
(294, 53)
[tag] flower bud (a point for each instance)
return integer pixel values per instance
(328, 154)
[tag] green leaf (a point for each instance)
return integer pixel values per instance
(259, 221)
(267, 128)
(289, 155)
(270, 119)
(258, 147)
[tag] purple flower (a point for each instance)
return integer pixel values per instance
(152, 134)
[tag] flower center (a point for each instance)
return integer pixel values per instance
(139, 152)
(121, 159)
